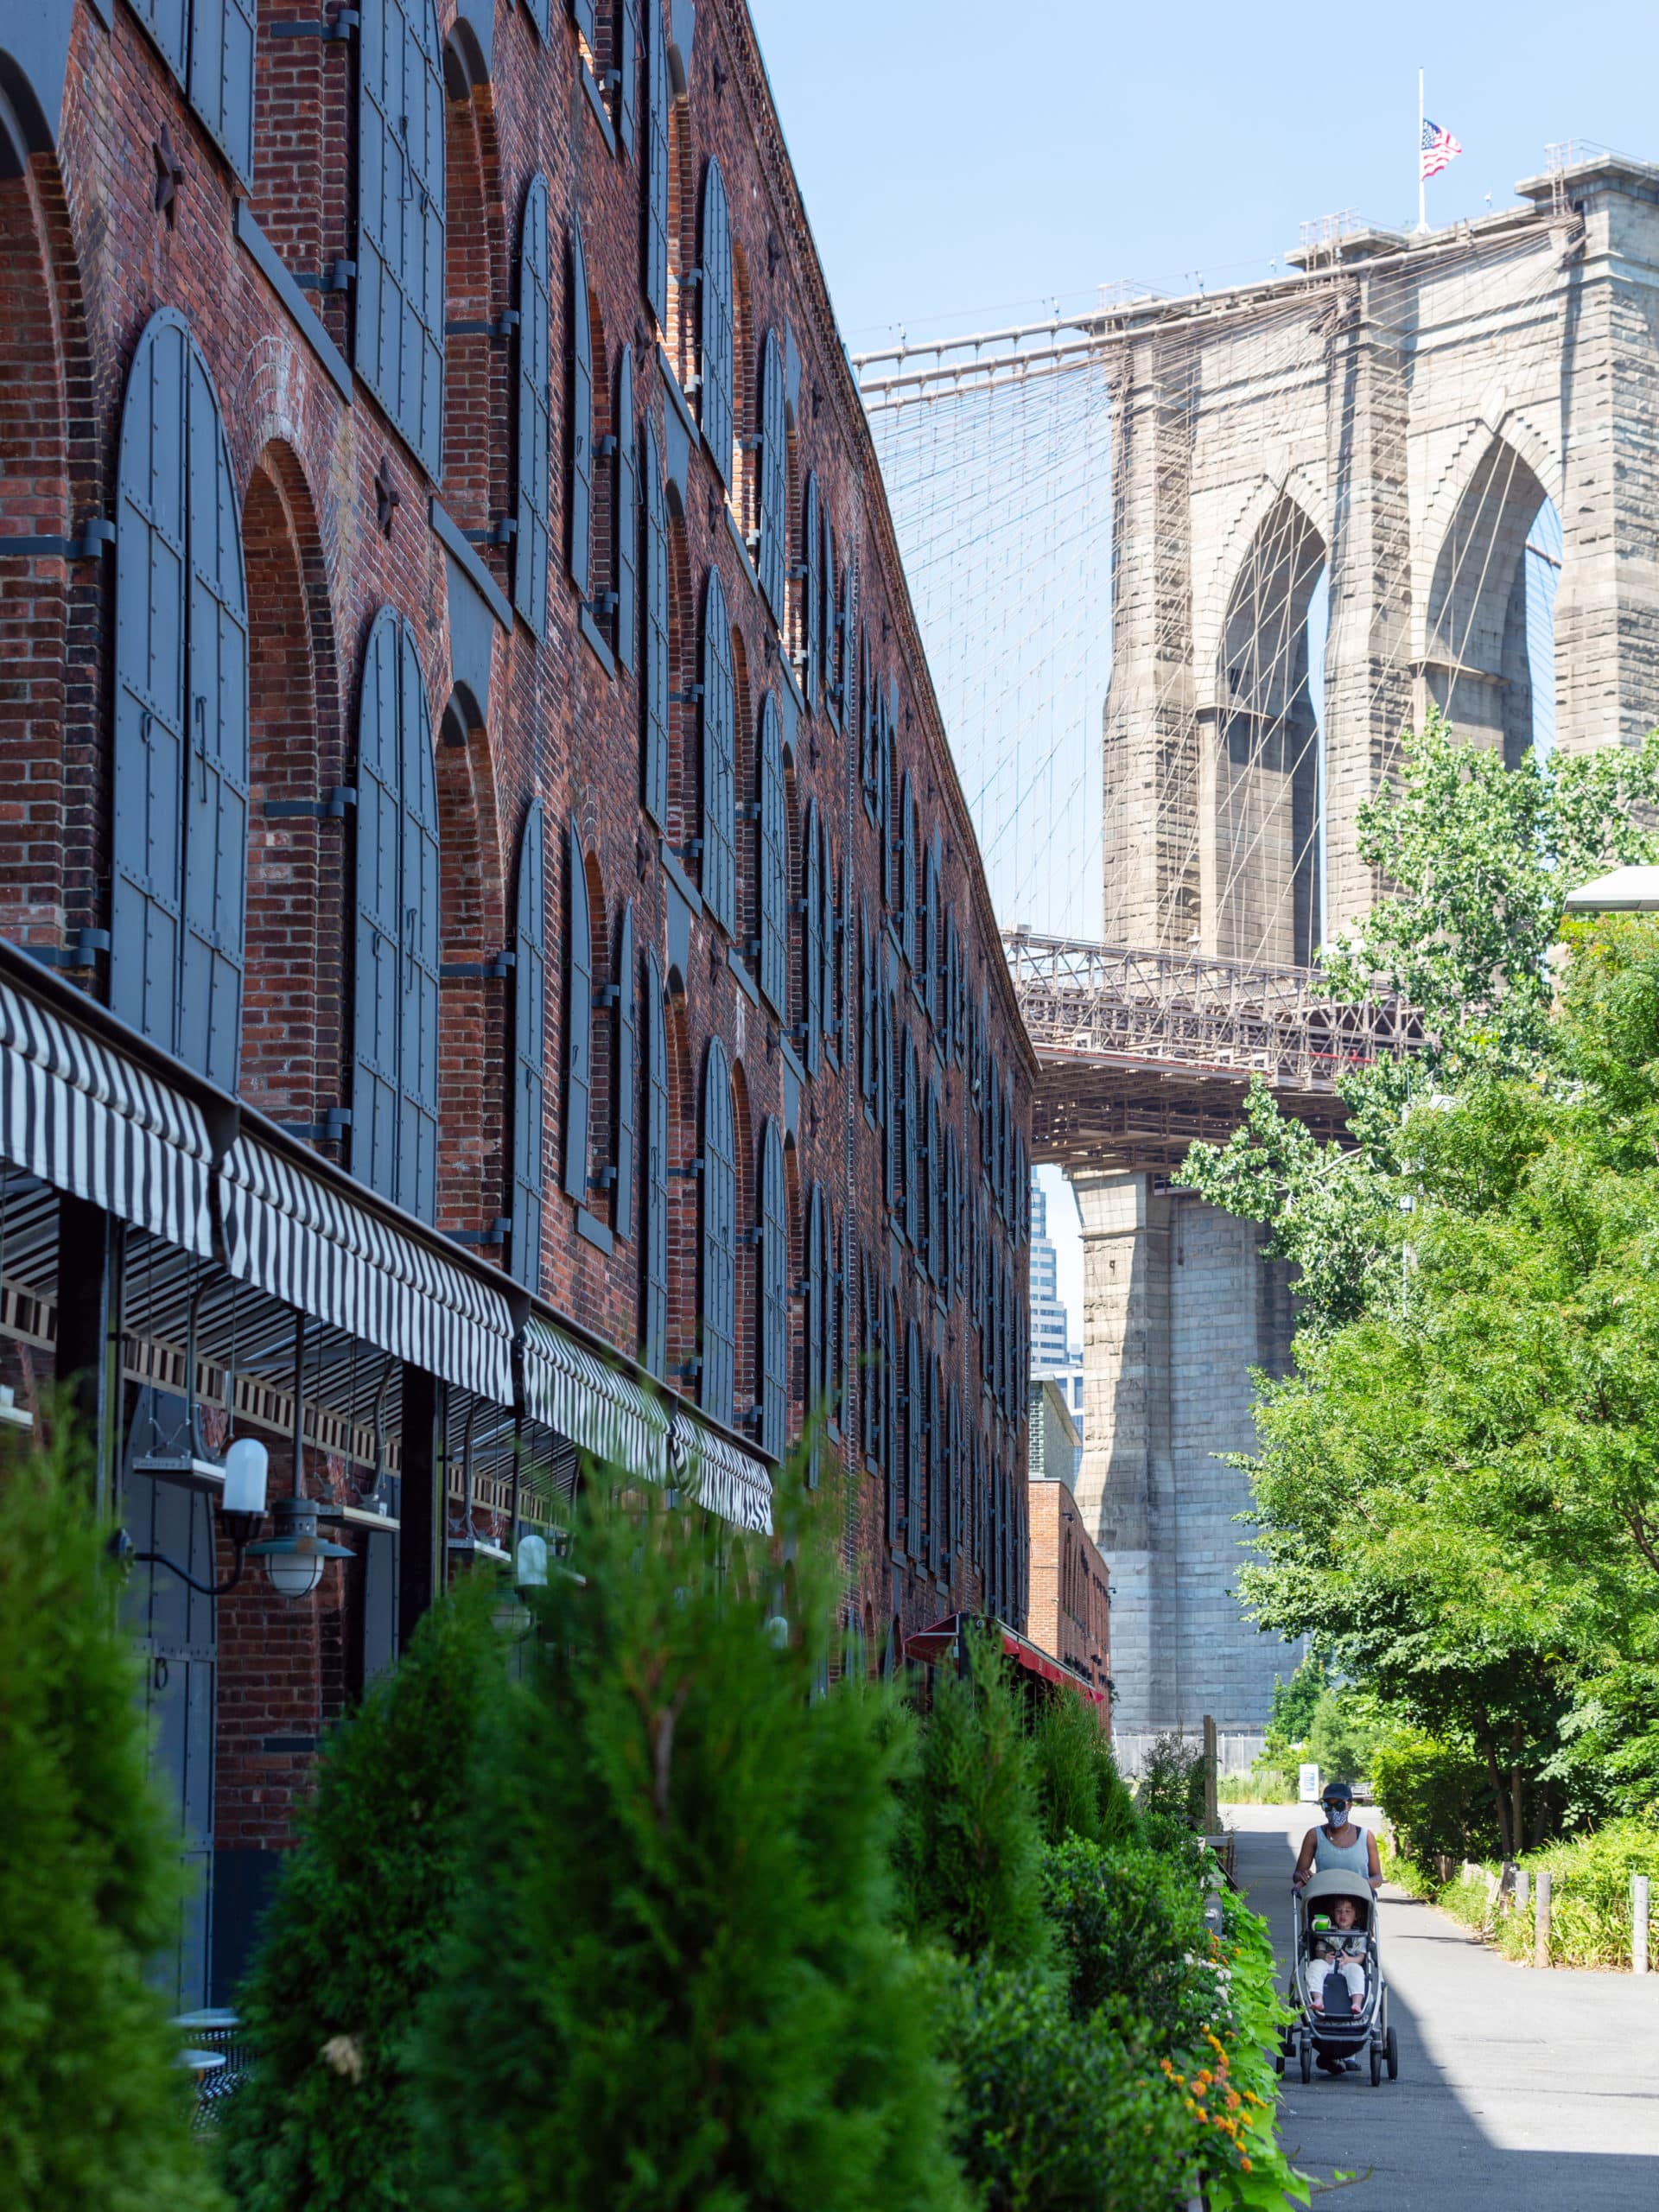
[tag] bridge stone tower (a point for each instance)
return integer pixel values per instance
(1384, 426)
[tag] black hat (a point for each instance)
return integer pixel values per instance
(1336, 1793)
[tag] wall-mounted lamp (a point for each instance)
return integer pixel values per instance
(294, 1557)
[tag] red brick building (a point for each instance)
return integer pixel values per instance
(1070, 1605)
(509, 970)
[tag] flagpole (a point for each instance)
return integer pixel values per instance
(1422, 208)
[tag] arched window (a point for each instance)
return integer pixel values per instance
(395, 994)
(578, 1017)
(625, 1076)
(533, 428)
(581, 514)
(774, 1290)
(715, 386)
(809, 598)
(773, 917)
(772, 482)
(653, 1318)
(719, 761)
(178, 890)
(718, 1287)
(398, 345)
(658, 96)
(208, 45)
(528, 1052)
(654, 690)
(810, 1031)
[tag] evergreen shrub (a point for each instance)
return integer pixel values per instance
(94, 2106)
(1132, 1933)
(674, 1979)
(350, 1941)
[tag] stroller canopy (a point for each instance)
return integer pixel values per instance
(1339, 1882)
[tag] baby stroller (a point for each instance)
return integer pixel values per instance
(1348, 2023)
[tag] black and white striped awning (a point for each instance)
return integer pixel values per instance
(722, 1479)
(580, 1394)
(86, 1119)
(292, 1236)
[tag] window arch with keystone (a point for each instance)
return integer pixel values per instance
(179, 852)
(399, 906)
(398, 345)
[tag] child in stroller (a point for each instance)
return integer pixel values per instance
(1337, 1986)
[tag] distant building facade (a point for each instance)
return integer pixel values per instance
(1069, 1609)
(1054, 1351)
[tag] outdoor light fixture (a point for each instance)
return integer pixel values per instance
(295, 1556)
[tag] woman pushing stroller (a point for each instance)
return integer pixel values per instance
(1340, 1843)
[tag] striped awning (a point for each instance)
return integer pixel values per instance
(580, 1394)
(86, 1119)
(290, 1234)
(722, 1479)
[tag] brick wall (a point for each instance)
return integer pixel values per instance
(1070, 1601)
(89, 258)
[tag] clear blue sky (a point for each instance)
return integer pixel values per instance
(967, 159)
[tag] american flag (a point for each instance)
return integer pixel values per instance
(1439, 147)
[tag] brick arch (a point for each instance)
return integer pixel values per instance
(476, 291)
(293, 1040)
(49, 611)
(472, 1008)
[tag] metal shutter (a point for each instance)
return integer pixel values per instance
(398, 342)
(841, 1277)
(654, 688)
(719, 763)
(892, 1108)
(868, 743)
(869, 1405)
(1021, 1193)
(937, 1260)
(843, 953)
(181, 799)
(770, 558)
(1005, 1152)
(935, 1458)
(772, 942)
(222, 36)
(529, 1051)
(867, 1002)
(811, 944)
(395, 994)
(578, 1019)
(774, 1290)
(806, 660)
(627, 67)
(656, 99)
(582, 14)
(845, 689)
(654, 1302)
(167, 23)
(827, 936)
(533, 426)
(908, 899)
(913, 1147)
(715, 389)
(718, 1302)
(817, 1329)
(935, 983)
(627, 513)
(892, 1452)
(581, 417)
(537, 12)
(915, 1425)
(827, 617)
(625, 1078)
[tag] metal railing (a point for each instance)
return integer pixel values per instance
(1113, 1002)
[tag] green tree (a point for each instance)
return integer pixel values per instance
(972, 1842)
(1079, 1790)
(674, 1980)
(351, 1940)
(94, 2106)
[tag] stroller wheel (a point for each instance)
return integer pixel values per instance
(1307, 2059)
(1278, 2062)
(1376, 2063)
(1393, 2052)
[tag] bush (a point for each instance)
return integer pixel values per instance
(1262, 1785)
(972, 1844)
(350, 1942)
(1132, 1933)
(1590, 1921)
(1079, 1790)
(1171, 1787)
(1437, 1796)
(1056, 2114)
(674, 1979)
(94, 2106)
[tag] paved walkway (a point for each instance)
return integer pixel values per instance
(1518, 2091)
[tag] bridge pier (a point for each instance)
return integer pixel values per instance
(1178, 1306)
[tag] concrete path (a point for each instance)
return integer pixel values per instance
(1518, 2091)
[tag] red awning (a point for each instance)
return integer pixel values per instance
(940, 1642)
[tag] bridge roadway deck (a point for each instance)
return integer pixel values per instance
(1518, 2091)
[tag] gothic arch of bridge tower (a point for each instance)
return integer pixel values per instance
(1323, 490)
